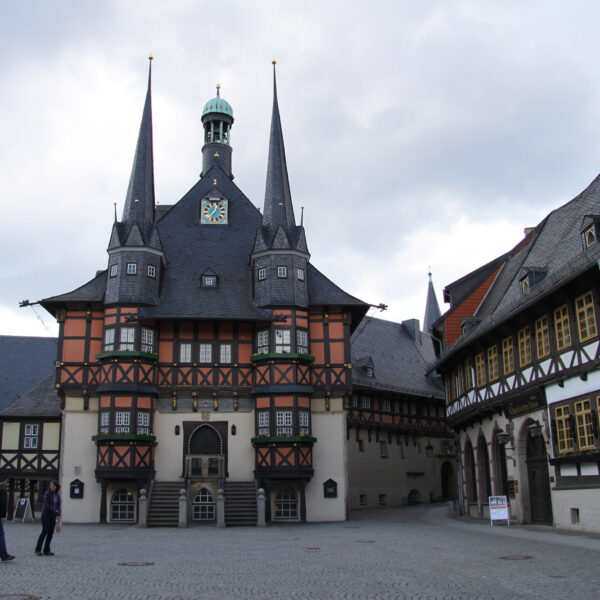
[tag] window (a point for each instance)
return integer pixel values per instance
(382, 500)
(264, 423)
(203, 506)
(383, 450)
(365, 402)
(450, 388)
(589, 236)
(185, 353)
(104, 422)
(525, 284)
(209, 281)
(302, 341)
(304, 422)
(286, 506)
(281, 272)
(225, 354)
(127, 338)
(151, 271)
(542, 337)
(586, 316)
(131, 268)
(386, 406)
(480, 370)
(361, 445)
(143, 423)
(262, 341)
(114, 269)
(461, 380)
(122, 506)
(493, 362)
(31, 438)
(362, 499)
(563, 327)
(524, 346)
(147, 339)
(468, 374)
(300, 274)
(122, 422)
(284, 422)
(585, 428)
(109, 340)
(282, 340)
(396, 406)
(563, 429)
(262, 274)
(508, 355)
(205, 353)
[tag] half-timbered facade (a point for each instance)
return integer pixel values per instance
(520, 361)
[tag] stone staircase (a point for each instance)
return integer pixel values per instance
(240, 503)
(163, 510)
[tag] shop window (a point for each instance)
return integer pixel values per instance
(203, 506)
(586, 316)
(562, 327)
(122, 506)
(524, 346)
(542, 337)
(508, 355)
(286, 506)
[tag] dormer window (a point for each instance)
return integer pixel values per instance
(114, 269)
(525, 284)
(208, 280)
(151, 271)
(281, 272)
(531, 278)
(262, 274)
(589, 235)
(300, 274)
(131, 268)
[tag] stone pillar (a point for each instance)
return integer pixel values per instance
(182, 508)
(143, 509)
(220, 508)
(260, 507)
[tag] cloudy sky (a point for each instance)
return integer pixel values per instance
(417, 133)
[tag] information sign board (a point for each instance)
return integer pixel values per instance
(23, 510)
(499, 509)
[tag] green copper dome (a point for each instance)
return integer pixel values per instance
(217, 105)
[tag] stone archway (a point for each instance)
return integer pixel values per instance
(449, 482)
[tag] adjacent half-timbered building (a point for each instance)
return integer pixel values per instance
(30, 417)
(520, 360)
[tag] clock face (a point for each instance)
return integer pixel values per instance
(213, 210)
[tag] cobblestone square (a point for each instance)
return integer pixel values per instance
(408, 553)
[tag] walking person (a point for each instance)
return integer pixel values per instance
(4, 555)
(50, 518)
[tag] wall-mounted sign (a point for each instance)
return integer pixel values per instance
(523, 405)
(330, 489)
(76, 488)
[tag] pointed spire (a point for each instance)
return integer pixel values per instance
(278, 199)
(139, 202)
(432, 308)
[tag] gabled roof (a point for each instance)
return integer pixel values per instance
(25, 362)
(40, 401)
(555, 245)
(399, 361)
(92, 291)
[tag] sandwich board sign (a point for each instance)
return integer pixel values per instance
(499, 509)
(23, 510)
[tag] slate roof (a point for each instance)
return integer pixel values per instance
(554, 246)
(40, 401)
(25, 362)
(432, 308)
(399, 361)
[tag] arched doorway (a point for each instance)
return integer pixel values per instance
(539, 483)
(483, 463)
(499, 467)
(470, 474)
(449, 491)
(205, 440)
(205, 453)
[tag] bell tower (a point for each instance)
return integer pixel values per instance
(217, 119)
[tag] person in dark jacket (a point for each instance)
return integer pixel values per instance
(50, 518)
(4, 555)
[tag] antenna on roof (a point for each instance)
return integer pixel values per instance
(115, 204)
(302, 217)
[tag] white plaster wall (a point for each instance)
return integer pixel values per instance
(572, 387)
(51, 436)
(329, 462)
(79, 451)
(10, 435)
(587, 503)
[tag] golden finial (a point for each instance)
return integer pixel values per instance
(151, 57)
(219, 90)
(273, 62)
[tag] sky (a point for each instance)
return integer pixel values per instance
(420, 136)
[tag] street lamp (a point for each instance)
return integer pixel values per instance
(535, 430)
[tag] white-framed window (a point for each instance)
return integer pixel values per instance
(284, 422)
(225, 353)
(203, 506)
(209, 281)
(104, 422)
(302, 341)
(396, 406)
(127, 338)
(262, 274)
(300, 274)
(365, 402)
(151, 271)
(31, 437)
(304, 422)
(282, 340)
(383, 450)
(185, 352)
(114, 269)
(205, 353)
(386, 406)
(122, 421)
(281, 272)
(354, 401)
(109, 340)
(131, 268)
(262, 341)
(122, 506)
(143, 423)
(264, 425)
(147, 339)
(286, 506)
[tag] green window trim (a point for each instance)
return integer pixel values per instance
(127, 353)
(271, 355)
(278, 439)
(122, 437)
